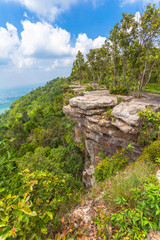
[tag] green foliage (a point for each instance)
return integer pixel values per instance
(110, 165)
(109, 113)
(151, 153)
(89, 88)
(153, 87)
(122, 90)
(79, 68)
(43, 180)
(129, 60)
(133, 221)
(30, 203)
(151, 125)
(121, 186)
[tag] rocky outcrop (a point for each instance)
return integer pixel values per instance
(106, 123)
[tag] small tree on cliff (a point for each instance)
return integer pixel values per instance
(79, 67)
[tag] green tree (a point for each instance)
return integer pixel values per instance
(79, 66)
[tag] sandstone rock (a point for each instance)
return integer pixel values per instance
(94, 119)
(97, 93)
(93, 102)
(79, 112)
(102, 134)
(124, 127)
(77, 88)
(128, 111)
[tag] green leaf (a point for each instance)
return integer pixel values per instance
(50, 214)
(44, 230)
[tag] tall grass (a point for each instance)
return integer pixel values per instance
(121, 185)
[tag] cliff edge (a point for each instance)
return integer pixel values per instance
(106, 123)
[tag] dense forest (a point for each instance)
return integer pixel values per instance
(41, 165)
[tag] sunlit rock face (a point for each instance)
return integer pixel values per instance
(106, 131)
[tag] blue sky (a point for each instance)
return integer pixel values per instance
(39, 39)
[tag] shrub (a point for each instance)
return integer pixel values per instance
(151, 153)
(133, 222)
(121, 185)
(110, 165)
(109, 113)
(89, 88)
(151, 124)
(118, 89)
(31, 204)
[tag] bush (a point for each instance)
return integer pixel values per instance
(151, 124)
(89, 88)
(31, 204)
(110, 165)
(122, 90)
(121, 185)
(151, 153)
(133, 222)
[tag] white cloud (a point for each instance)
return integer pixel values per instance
(50, 9)
(124, 2)
(42, 40)
(84, 44)
(9, 42)
(42, 46)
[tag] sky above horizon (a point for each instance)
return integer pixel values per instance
(39, 39)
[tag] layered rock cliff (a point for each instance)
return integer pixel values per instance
(106, 123)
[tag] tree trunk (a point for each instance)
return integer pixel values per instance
(141, 81)
(149, 77)
(114, 82)
(117, 75)
(99, 78)
(129, 83)
(124, 72)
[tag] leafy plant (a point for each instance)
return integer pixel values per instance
(123, 90)
(150, 129)
(133, 221)
(89, 88)
(151, 153)
(121, 186)
(30, 203)
(109, 113)
(110, 165)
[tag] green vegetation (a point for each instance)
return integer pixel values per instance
(153, 87)
(129, 61)
(151, 126)
(110, 165)
(151, 153)
(40, 164)
(136, 215)
(133, 196)
(121, 186)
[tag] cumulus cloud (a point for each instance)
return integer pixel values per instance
(42, 46)
(9, 42)
(84, 44)
(42, 40)
(50, 9)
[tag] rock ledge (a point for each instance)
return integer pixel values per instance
(105, 131)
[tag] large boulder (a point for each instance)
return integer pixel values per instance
(93, 102)
(128, 111)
